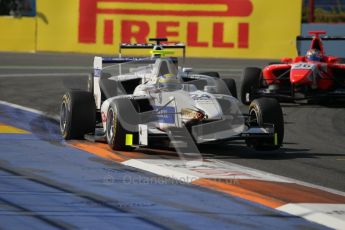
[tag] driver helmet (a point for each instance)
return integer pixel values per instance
(314, 55)
(169, 82)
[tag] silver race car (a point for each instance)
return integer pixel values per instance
(138, 102)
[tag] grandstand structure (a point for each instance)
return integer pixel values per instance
(323, 11)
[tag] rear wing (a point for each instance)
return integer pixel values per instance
(157, 48)
(99, 61)
(149, 46)
(299, 40)
(316, 34)
(324, 38)
(115, 60)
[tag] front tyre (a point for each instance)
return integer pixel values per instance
(250, 83)
(77, 114)
(267, 111)
(116, 134)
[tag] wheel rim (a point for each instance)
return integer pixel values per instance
(247, 97)
(63, 117)
(253, 118)
(110, 124)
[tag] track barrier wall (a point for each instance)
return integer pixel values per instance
(210, 28)
(17, 34)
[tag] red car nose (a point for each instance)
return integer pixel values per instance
(300, 76)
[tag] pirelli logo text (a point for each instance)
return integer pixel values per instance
(114, 21)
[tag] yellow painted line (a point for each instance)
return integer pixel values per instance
(10, 129)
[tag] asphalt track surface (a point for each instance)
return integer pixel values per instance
(314, 144)
(46, 183)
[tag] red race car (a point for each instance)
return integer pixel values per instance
(314, 77)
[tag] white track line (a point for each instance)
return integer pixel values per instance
(330, 215)
(283, 178)
(35, 111)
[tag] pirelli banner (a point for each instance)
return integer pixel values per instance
(210, 28)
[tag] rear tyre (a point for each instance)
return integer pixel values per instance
(250, 83)
(90, 83)
(77, 114)
(267, 111)
(116, 133)
(211, 74)
(231, 84)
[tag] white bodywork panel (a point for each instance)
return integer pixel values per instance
(97, 68)
(143, 135)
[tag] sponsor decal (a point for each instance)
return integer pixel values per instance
(200, 97)
(166, 115)
(104, 15)
(303, 65)
(97, 72)
(209, 28)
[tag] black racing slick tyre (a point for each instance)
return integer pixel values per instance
(77, 114)
(90, 83)
(267, 111)
(117, 136)
(231, 85)
(211, 74)
(250, 83)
